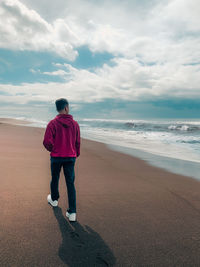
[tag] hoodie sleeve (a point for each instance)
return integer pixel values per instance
(78, 140)
(48, 141)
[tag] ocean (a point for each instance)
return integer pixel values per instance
(171, 144)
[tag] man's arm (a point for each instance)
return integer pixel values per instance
(78, 141)
(48, 141)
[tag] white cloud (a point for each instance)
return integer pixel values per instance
(182, 16)
(127, 80)
(156, 49)
(22, 28)
(56, 73)
(146, 28)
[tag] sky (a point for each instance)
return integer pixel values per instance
(110, 58)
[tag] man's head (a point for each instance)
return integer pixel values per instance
(62, 106)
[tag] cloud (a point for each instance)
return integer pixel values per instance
(155, 48)
(127, 80)
(22, 28)
(149, 29)
(188, 22)
(56, 73)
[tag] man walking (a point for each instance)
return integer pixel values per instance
(62, 139)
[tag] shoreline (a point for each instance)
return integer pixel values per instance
(177, 166)
(129, 213)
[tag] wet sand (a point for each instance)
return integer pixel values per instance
(129, 213)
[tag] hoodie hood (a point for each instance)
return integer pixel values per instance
(64, 119)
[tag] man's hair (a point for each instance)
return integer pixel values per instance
(61, 103)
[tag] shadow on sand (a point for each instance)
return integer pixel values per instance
(81, 246)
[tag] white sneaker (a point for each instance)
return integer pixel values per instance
(50, 201)
(71, 216)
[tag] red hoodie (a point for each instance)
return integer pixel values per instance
(62, 137)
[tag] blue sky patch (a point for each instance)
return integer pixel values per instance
(15, 67)
(90, 60)
(18, 67)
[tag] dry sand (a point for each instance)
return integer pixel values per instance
(129, 213)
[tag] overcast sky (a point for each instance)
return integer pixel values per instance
(109, 58)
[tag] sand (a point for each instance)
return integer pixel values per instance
(129, 213)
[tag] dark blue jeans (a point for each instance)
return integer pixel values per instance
(68, 167)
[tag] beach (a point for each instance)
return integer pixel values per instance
(128, 212)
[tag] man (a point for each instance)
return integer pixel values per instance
(62, 139)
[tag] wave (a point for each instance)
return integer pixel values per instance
(178, 139)
(32, 121)
(184, 127)
(191, 141)
(142, 125)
